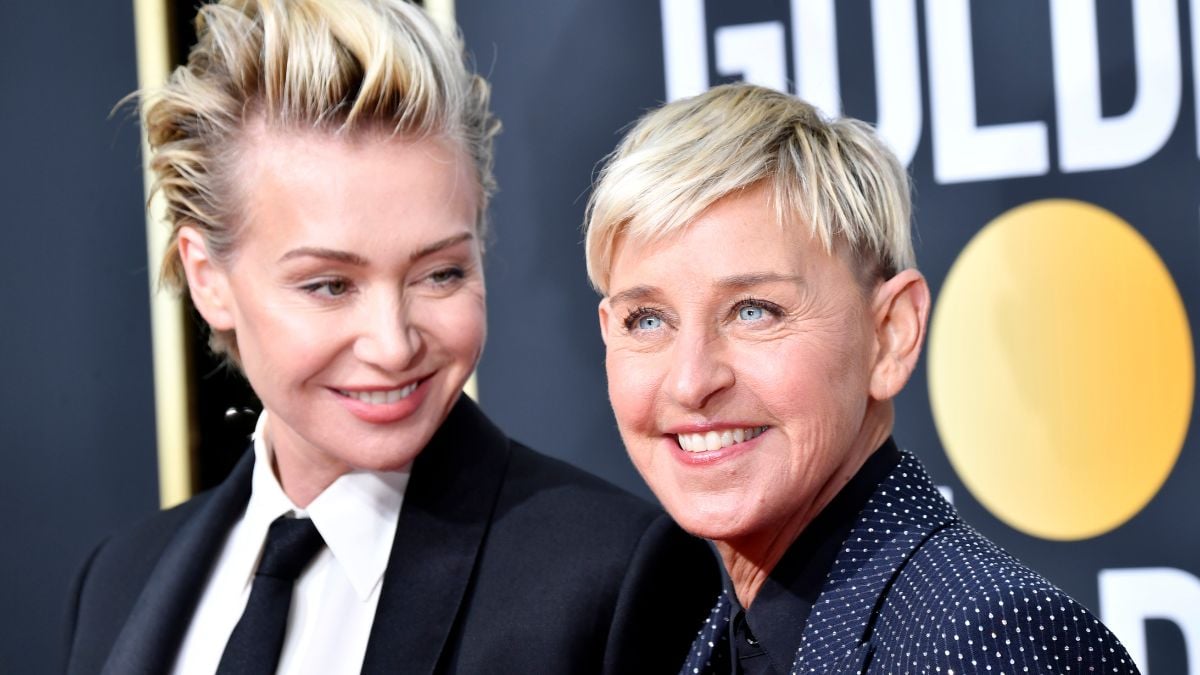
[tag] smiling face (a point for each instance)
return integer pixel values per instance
(356, 293)
(744, 369)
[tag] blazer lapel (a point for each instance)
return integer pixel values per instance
(709, 654)
(903, 512)
(151, 636)
(447, 509)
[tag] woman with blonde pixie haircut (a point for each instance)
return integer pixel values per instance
(326, 167)
(761, 308)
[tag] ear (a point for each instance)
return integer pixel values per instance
(901, 316)
(604, 310)
(208, 283)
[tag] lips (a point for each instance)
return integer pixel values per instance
(378, 397)
(384, 406)
(715, 440)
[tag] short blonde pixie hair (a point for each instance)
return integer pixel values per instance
(339, 66)
(836, 175)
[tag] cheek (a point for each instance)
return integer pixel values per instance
(456, 325)
(823, 362)
(285, 346)
(285, 340)
(819, 394)
(632, 385)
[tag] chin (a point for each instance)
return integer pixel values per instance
(392, 461)
(389, 455)
(713, 517)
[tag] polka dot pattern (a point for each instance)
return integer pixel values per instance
(916, 590)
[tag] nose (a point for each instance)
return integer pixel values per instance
(699, 370)
(387, 337)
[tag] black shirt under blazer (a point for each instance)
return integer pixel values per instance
(504, 561)
(916, 590)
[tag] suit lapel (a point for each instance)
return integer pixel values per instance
(903, 512)
(709, 654)
(151, 636)
(447, 509)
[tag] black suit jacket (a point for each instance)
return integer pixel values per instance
(505, 561)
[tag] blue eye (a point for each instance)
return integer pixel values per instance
(643, 320)
(750, 313)
(649, 322)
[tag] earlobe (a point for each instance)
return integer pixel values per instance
(902, 314)
(208, 284)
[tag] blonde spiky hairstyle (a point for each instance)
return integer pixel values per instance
(836, 176)
(339, 66)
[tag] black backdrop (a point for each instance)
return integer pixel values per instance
(76, 408)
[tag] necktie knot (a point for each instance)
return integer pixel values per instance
(291, 545)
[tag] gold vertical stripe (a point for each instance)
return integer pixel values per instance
(172, 405)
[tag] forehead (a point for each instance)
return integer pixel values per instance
(316, 164)
(738, 236)
(261, 146)
(380, 195)
(258, 145)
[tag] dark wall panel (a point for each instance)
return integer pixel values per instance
(76, 408)
(542, 375)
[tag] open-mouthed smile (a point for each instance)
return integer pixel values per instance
(380, 397)
(384, 406)
(715, 440)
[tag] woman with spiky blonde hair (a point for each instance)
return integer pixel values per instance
(326, 167)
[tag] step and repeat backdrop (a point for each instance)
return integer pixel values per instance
(1055, 154)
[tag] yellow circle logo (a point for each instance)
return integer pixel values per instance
(1060, 369)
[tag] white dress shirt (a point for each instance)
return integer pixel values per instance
(333, 605)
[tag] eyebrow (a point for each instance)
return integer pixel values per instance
(635, 294)
(735, 282)
(325, 253)
(440, 245)
(356, 260)
(739, 281)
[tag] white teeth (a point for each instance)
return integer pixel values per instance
(380, 397)
(714, 440)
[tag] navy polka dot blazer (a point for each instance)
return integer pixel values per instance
(916, 590)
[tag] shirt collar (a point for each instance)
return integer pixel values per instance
(783, 604)
(356, 515)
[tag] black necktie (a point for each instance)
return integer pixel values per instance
(254, 646)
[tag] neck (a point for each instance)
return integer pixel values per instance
(750, 559)
(302, 476)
